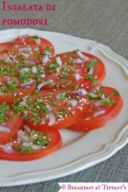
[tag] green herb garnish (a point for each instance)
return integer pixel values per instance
(91, 64)
(23, 149)
(109, 101)
(12, 85)
(33, 38)
(3, 71)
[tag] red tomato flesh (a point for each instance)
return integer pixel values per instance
(100, 112)
(54, 110)
(21, 152)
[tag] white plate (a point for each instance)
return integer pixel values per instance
(79, 151)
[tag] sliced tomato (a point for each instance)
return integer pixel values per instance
(10, 123)
(100, 111)
(19, 71)
(52, 110)
(35, 40)
(64, 72)
(73, 69)
(40, 145)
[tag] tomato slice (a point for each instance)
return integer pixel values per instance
(31, 145)
(105, 105)
(51, 110)
(73, 69)
(63, 72)
(36, 42)
(10, 123)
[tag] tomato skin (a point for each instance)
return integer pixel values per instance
(55, 143)
(14, 125)
(100, 121)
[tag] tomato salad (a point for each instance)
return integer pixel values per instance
(42, 92)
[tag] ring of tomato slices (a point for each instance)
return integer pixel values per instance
(18, 152)
(100, 111)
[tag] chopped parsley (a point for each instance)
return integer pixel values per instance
(76, 86)
(23, 149)
(24, 55)
(64, 95)
(25, 76)
(91, 64)
(93, 78)
(40, 138)
(3, 71)
(90, 77)
(16, 100)
(93, 83)
(52, 84)
(33, 38)
(109, 101)
(20, 64)
(12, 85)
(47, 50)
(4, 108)
(2, 90)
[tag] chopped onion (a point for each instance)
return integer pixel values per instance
(77, 76)
(38, 41)
(34, 70)
(25, 69)
(78, 61)
(24, 49)
(98, 103)
(4, 128)
(59, 61)
(36, 146)
(98, 113)
(28, 83)
(9, 59)
(80, 92)
(29, 61)
(97, 88)
(52, 119)
(83, 57)
(8, 148)
(49, 107)
(91, 71)
(73, 102)
(45, 59)
(83, 91)
(43, 75)
(22, 137)
(41, 85)
(26, 128)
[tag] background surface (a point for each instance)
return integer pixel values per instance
(99, 20)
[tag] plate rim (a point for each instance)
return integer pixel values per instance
(108, 150)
